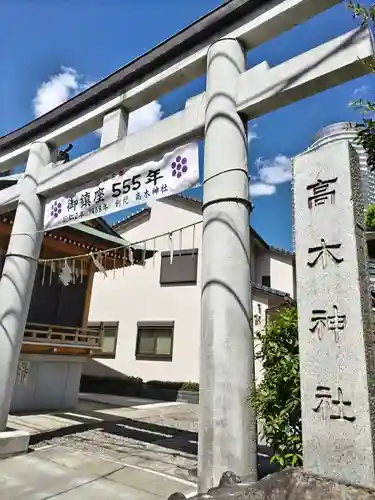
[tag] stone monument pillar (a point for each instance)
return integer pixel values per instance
(335, 338)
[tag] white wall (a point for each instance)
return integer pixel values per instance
(282, 272)
(277, 265)
(261, 263)
(136, 295)
(260, 304)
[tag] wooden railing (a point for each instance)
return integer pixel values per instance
(63, 336)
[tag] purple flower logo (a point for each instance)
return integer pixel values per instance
(179, 166)
(56, 209)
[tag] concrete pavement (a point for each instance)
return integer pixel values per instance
(118, 446)
(129, 448)
(91, 408)
(63, 473)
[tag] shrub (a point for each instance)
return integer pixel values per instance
(165, 384)
(370, 217)
(277, 397)
(106, 385)
(190, 386)
(175, 386)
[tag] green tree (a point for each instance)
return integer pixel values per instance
(277, 398)
(370, 217)
(366, 129)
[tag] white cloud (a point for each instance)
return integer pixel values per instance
(361, 91)
(252, 133)
(269, 174)
(262, 189)
(145, 116)
(275, 171)
(58, 89)
(142, 117)
(68, 83)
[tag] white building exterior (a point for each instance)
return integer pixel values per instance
(170, 313)
(349, 131)
(345, 131)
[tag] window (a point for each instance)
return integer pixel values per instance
(110, 333)
(266, 281)
(182, 270)
(258, 316)
(154, 340)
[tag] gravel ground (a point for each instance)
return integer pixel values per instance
(162, 439)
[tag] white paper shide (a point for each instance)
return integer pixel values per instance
(175, 172)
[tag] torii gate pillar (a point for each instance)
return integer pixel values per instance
(227, 427)
(18, 276)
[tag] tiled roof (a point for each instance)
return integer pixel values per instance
(281, 250)
(105, 233)
(197, 201)
(147, 209)
(272, 291)
(67, 235)
(131, 217)
(189, 198)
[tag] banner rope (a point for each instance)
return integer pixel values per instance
(123, 247)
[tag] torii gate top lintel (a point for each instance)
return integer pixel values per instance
(163, 55)
(178, 60)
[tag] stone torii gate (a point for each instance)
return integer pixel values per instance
(215, 44)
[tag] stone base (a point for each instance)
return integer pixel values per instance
(52, 383)
(13, 443)
(289, 484)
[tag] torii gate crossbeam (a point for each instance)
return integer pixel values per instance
(178, 60)
(260, 90)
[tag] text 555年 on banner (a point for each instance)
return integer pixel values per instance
(175, 172)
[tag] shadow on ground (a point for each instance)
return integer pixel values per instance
(167, 437)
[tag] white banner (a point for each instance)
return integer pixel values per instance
(175, 172)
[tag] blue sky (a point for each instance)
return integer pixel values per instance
(54, 49)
